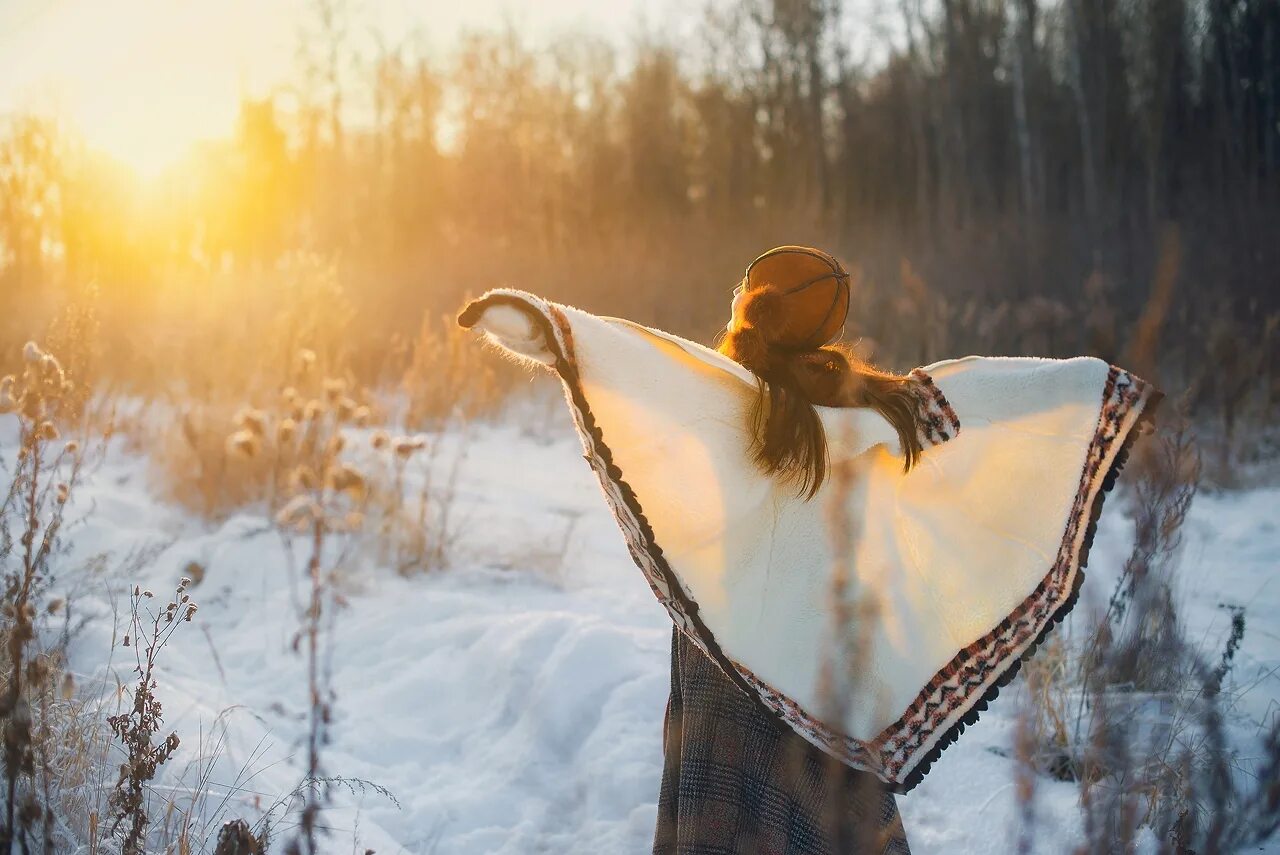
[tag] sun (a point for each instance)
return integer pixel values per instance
(145, 136)
(145, 81)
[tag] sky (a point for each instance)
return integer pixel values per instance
(145, 79)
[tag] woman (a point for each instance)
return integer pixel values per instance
(811, 662)
(736, 779)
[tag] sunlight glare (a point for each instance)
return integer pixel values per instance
(144, 81)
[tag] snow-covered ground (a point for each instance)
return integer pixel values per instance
(514, 703)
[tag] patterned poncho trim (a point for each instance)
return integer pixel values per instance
(904, 751)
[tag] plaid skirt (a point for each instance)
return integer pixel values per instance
(736, 781)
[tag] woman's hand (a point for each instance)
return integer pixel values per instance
(514, 331)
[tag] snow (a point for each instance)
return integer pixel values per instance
(513, 702)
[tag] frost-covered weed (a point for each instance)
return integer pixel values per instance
(32, 512)
(137, 726)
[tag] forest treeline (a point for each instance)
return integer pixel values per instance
(1004, 148)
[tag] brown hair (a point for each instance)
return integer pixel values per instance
(796, 374)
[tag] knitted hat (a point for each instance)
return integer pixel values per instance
(796, 297)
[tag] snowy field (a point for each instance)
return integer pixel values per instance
(513, 704)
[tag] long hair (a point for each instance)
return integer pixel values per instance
(788, 439)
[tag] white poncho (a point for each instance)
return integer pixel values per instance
(879, 617)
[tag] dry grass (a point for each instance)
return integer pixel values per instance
(237, 428)
(413, 483)
(246, 405)
(1134, 713)
(450, 379)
